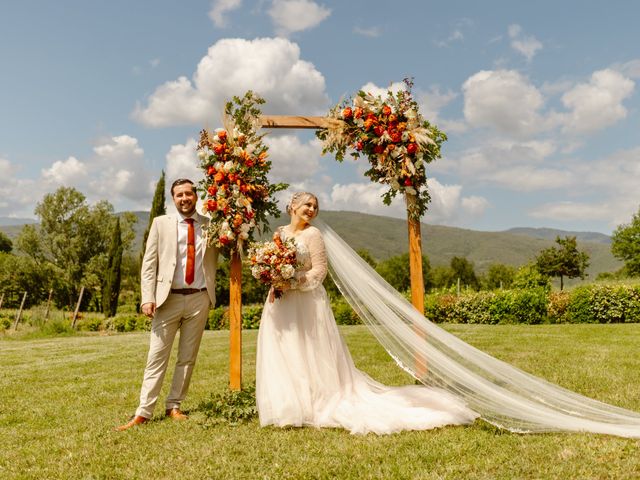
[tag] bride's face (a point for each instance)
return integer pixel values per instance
(307, 209)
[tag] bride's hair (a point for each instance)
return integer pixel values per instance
(298, 198)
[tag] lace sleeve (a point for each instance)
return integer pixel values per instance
(310, 279)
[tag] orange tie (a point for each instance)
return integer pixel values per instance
(190, 271)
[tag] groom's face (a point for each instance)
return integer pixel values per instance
(185, 198)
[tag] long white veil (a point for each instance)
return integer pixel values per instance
(502, 394)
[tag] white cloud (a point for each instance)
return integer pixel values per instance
(571, 211)
(447, 203)
(375, 90)
(182, 162)
(269, 66)
(503, 100)
(629, 69)
(291, 16)
(291, 160)
(221, 7)
(371, 32)
(66, 172)
(597, 104)
(527, 46)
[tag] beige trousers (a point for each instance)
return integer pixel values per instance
(187, 313)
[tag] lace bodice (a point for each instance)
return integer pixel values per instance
(311, 256)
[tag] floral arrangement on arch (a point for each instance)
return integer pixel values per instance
(237, 194)
(395, 138)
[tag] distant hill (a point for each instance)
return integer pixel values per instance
(385, 237)
(552, 233)
(7, 221)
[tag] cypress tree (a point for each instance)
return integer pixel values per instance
(157, 208)
(111, 287)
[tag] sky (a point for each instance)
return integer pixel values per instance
(539, 100)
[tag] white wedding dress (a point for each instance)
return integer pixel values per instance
(306, 376)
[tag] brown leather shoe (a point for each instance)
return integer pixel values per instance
(136, 420)
(175, 414)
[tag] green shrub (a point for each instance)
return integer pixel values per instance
(344, 314)
(5, 321)
(251, 315)
(218, 319)
(558, 307)
(57, 327)
(128, 323)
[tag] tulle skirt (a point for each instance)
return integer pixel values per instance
(305, 376)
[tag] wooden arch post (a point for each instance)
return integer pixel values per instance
(235, 286)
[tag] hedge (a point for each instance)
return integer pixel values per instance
(585, 304)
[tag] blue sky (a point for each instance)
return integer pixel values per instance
(539, 99)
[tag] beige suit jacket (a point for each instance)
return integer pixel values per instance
(160, 260)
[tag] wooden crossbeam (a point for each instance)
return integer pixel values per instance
(291, 121)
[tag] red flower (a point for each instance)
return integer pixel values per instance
(386, 110)
(358, 113)
(359, 145)
(212, 205)
(378, 148)
(219, 177)
(249, 163)
(211, 171)
(412, 148)
(368, 123)
(222, 135)
(218, 149)
(347, 113)
(396, 137)
(224, 240)
(371, 116)
(212, 190)
(378, 130)
(407, 182)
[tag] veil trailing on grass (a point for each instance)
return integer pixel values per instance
(502, 394)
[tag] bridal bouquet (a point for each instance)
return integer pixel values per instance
(274, 263)
(395, 138)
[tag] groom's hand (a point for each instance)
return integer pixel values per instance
(149, 309)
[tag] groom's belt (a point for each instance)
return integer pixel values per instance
(187, 291)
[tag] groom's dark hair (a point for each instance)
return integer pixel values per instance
(182, 181)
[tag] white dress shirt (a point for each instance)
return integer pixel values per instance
(181, 265)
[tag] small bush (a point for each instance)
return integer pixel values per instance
(251, 315)
(230, 407)
(57, 327)
(344, 314)
(5, 321)
(218, 319)
(128, 323)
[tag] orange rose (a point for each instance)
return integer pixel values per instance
(212, 205)
(222, 135)
(219, 177)
(347, 113)
(211, 171)
(212, 190)
(358, 113)
(386, 110)
(368, 123)
(218, 149)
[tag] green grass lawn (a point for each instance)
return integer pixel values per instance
(60, 398)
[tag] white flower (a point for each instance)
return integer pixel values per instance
(218, 165)
(228, 165)
(287, 271)
(202, 154)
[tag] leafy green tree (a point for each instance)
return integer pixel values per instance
(563, 261)
(463, 270)
(499, 275)
(395, 271)
(74, 238)
(528, 276)
(442, 277)
(111, 284)
(625, 245)
(19, 274)
(366, 256)
(6, 245)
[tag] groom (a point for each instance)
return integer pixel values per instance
(178, 282)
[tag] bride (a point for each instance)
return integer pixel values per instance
(304, 372)
(306, 376)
